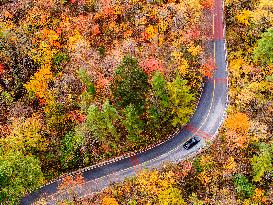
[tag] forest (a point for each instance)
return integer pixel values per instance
(83, 81)
(238, 166)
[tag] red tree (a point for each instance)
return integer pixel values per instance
(208, 68)
(150, 65)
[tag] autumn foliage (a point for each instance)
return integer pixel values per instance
(86, 80)
(208, 68)
(207, 4)
(70, 182)
(237, 167)
(151, 65)
(1, 69)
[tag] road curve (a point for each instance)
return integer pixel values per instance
(204, 125)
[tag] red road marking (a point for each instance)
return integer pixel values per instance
(220, 80)
(135, 163)
(218, 20)
(198, 132)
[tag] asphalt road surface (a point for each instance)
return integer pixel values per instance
(204, 125)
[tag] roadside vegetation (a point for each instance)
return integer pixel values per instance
(82, 81)
(238, 166)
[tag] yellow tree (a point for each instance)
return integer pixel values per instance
(237, 126)
(109, 201)
(25, 136)
(171, 196)
(38, 84)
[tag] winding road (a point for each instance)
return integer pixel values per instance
(204, 124)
